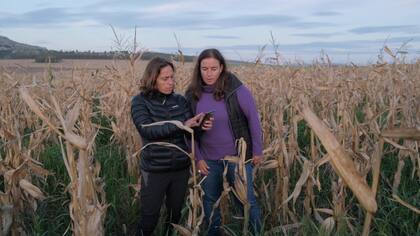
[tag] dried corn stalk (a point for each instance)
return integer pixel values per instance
(342, 164)
(87, 206)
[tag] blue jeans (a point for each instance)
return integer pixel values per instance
(213, 187)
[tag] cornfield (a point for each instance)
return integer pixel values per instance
(341, 150)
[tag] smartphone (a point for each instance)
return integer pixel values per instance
(207, 116)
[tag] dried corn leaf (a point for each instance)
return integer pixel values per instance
(389, 51)
(177, 123)
(340, 161)
(232, 159)
(398, 145)
(182, 230)
(31, 189)
(76, 140)
(72, 115)
(408, 205)
(24, 93)
(405, 133)
(165, 144)
(306, 171)
(270, 164)
(325, 210)
(328, 224)
(240, 189)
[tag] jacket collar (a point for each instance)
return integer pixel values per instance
(233, 84)
(160, 97)
(208, 88)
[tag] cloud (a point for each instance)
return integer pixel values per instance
(317, 35)
(310, 25)
(200, 20)
(39, 18)
(409, 39)
(41, 42)
(335, 47)
(386, 29)
(125, 3)
(161, 7)
(5, 14)
(357, 51)
(273, 20)
(191, 20)
(169, 7)
(221, 37)
(326, 13)
(254, 20)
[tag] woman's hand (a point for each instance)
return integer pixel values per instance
(195, 121)
(203, 168)
(207, 124)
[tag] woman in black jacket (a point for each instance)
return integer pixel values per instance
(164, 169)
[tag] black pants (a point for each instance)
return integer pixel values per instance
(154, 188)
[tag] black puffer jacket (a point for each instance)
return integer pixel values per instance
(160, 107)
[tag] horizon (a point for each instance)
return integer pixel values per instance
(303, 30)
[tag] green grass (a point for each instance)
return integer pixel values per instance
(393, 218)
(123, 212)
(52, 216)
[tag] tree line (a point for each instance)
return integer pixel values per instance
(58, 55)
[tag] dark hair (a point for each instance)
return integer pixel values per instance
(197, 82)
(151, 73)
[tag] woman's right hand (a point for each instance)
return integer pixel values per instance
(195, 121)
(203, 168)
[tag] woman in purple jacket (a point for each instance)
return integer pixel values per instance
(214, 88)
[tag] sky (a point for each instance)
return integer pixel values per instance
(300, 30)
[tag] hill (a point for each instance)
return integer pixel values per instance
(10, 49)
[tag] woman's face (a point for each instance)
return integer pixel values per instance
(210, 69)
(165, 81)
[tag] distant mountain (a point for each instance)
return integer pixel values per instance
(12, 49)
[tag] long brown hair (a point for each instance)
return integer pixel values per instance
(151, 73)
(197, 83)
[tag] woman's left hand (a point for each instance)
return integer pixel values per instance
(256, 160)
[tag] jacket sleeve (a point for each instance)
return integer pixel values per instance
(141, 116)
